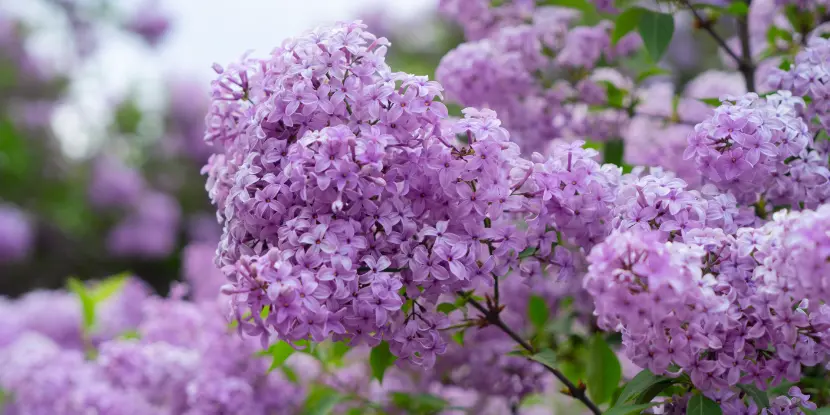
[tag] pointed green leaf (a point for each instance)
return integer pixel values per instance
(108, 287)
(527, 252)
(581, 5)
(648, 73)
(546, 357)
(613, 152)
(604, 371)
(629, 409)
(626, 22)
(653, 390)
(738, 8)
(714, 102)
(760, 397)
(701, 405)
(321, 401)
(380, 359)
(640, 383)
(537, 311)
(87, 302)
(656, 29)
(446, 308)
(418, 403)
(279, 353)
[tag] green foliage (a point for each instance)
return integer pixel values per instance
(527, 252)
(613, 152)
(537, 312)
(738, 8)
(446, 308)
(380, 359)
(91, 297)
(418, 403)
(546, 357)
(629, 409)
(714, 102)
(604, 371)
(87, 304)
(656, 29)
(649, 72)
(760, 397)
(584, 6)
(279, 353)
(322, 400)
(128, 117)
(636, 386)
(627, 21)
(701, 405)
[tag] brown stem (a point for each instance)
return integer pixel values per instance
(746, 66)
(493, 318)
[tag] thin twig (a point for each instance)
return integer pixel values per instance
(707, 25)
(746, 66)
(493, 318)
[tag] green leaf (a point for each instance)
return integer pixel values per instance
(537, 311)
(322, 400)
(418, 403)
(128, 117)
(337, 351)
(108, 287)
(656, 29)
(701, 405)
(546, 357)
(614, 95)
(290, 374)
(87, 302)
(581, 5)
(613, 152)
(714, 102)
(279, 352)
(648, 73)
(604, 371)
(527, 252)
(458, 337)
(760, 397)
(653, 390)
(738, 8)
(130, 335)
(629, 409)
(446, 308)
(640, 383)
(627, 21)
(380, 359)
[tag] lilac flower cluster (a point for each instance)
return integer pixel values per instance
(341, 189)
(755, 146)
(184, 362)
(530, 66)
(807, 77)
(715, 304)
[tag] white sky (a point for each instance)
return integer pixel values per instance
(203, 32)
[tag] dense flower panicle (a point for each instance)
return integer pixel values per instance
(18, 234)
(185, 361)
(573, 194)
(760, 146)
(535, 72)
(808, 77)
(479, 18)
(737, 295)
(346, 189)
